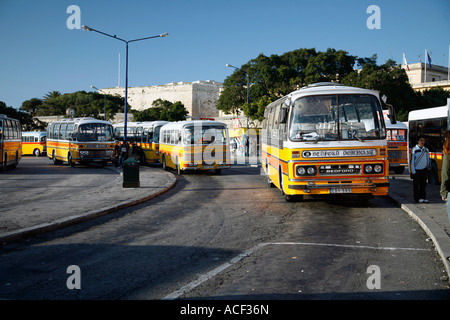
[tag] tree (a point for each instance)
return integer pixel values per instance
(275, 76)
(85, 104)
(162, 110)
(25, 119)
(389, 79)
(31, 106)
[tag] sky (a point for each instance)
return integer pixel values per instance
(39, 53)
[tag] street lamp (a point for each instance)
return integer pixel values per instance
(105, 97)
(248, 87)
(126, 68)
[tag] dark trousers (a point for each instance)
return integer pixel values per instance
(420, 183)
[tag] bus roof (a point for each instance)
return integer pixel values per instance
(398, 125)
(82, 120)
(326, 88)
(34, 133)
(428, 113)
(181, 124)
(142, 123)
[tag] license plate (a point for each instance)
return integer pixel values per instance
(208, 167)
(342, 190)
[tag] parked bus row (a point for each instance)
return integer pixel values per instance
(182, 145)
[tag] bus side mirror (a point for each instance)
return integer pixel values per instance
(391, 114)
(284, 112)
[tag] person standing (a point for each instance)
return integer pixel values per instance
(420, 165)
(445, 173)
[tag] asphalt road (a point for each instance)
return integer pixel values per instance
(229, 236)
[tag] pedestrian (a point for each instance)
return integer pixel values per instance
(124, 148)
(420, 166)
(116, 154)
(445, 172)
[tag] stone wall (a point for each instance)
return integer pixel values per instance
(199, 97)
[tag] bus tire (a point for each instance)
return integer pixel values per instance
(178, 167)
(288, 197)
(36, 152)
(70, 160)
(269, 182)
(55, 161)
(164, 164)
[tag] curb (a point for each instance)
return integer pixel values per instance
(432, 229)
(21, 234)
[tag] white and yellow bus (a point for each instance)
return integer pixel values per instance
(10, 142)
(80, 140)
(326, 138)
(397, 139)
(146, 136)
(195, 145)
(34, 142)
(432, 123)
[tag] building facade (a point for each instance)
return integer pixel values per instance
(422, 77)
(199, 98)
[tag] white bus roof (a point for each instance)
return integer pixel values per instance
(142, 123)
(330, 88)
(180, 124)
(34, 133)
(398, 125)
(428, 113)
(82, 120)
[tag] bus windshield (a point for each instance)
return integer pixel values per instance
(337, 117)
(95, 132)
(204, 135)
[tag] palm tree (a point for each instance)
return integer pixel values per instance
(52, 94)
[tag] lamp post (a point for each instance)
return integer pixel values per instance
(248, 88)
(105, 98)
(126, 68)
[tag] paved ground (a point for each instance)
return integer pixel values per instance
(432, 217)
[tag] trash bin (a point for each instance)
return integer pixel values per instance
(131, 173)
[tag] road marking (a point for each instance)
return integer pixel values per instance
(204, 277)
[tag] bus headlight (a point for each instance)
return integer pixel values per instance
(378, 168)
(373, 168)
(311, 171)
(306, 170)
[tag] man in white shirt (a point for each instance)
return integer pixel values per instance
(420, 165)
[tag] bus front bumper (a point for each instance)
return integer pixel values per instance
(341, 188)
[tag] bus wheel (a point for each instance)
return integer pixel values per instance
(36, 152)
(178, 168)
(70, 160)
(164, 165)
(288, 197)
(55, 161)
(269, 182)
(16, 161)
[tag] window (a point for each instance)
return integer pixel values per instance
(336, 117)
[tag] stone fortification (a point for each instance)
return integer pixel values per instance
(199, 97)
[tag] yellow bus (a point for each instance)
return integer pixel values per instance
(195, 145)
(397, 135)
(10, 142)
(80, 140)
(146, 136)
(432, 123)
(326, 138)
(34, 143)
